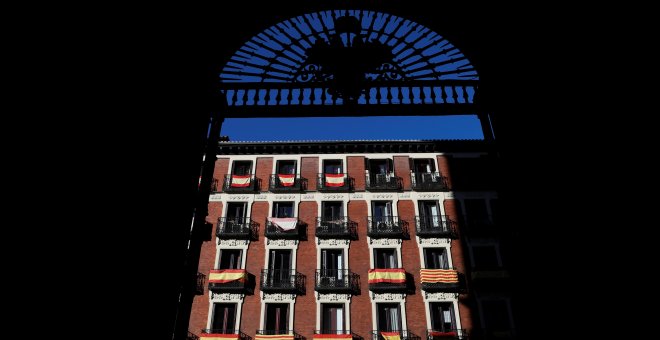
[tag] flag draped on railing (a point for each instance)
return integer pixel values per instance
(240, 181)
(334, 180)
(286, 223)
(392, 275)
(227, 275)
(274, 337)
(218, 336)
(391, 335)
(286, 180)
(333, 336)
(438, 275)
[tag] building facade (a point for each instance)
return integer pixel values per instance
(353, 239)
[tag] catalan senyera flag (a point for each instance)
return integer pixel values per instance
(240, 181)
(391, 335)
(287, 180)
(227, 275)
(392, 275)
(333, 336)
(438, 275)
(216, 336)
(274, 337)
(334, 180)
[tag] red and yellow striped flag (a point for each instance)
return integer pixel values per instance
(240, 181)
(217, 336)
(392, 275)
(334, 180)
(287, 180)
(438, 275)
(391, 335)
(227, 275)
(274, 337)
(333, 336)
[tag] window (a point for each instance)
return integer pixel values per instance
(282, 209)
(389, 317)
(286, 167)
(380, 166)
(277, 318)
(485, 257)
(332, 318)
(382, 214)
(429, 214)
(422, 165)
(230, 259)
(436, 258)
(279, 267)
(496, 315)
(235, 216)
(332, 266)
(442, 316)
(332, 210)
(242, 168)
(332, 166)
(224, 318)
(385, 258)
(476, 212)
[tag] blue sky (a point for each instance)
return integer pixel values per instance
(347, 128)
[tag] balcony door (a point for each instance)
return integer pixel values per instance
(389, 317)
(442, 316)
(382, 214)
(282, 209)
(422, 165)
(332, 266)
(279, 267)
(436, 258)
(476, 213)
(429, 214)
(380, 171)
(277, 318)
(230, 259)
(332, 166)
(332, 318)
(385, 258)
(235, 216)
(286, 167)
(332, 213)
(242, 168)
(224, 318)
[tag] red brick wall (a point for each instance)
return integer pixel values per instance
(264, 170)
(355, 169)
(458, 260)
(309, 168)
(443, 168)
(358, 262)
(220, 170)
(200, 308)
(305, 309)
(411, 263)
(254, 264)
(402, 169)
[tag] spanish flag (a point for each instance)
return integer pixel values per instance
(393, 275)
(216, 336)
(334, 180)
(333, 336)
(287, 180)
(391, 335)
(443, 334)
(227, 275)
(438, 276)
(274, 337)
(240, 181)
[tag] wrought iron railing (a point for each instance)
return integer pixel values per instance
(282, 183)
(388, 284)
(332, 331)
(234, 286)
(199, 287)
(428, 181)
(191, 336)
(386, 226)
(273, 231)
(235, 228)
(241, 183)
(435, 226)
(448, 286)
(329, 280)
(293, 333)
(233, 333)
(383, 182)
(278, 280)
(334, 182)
(446, 334)
(404, 335)
(335, 227)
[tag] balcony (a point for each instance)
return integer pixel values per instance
(386, 227)
(447, 334)
(336, 280)
(240, 184)
(428, 181)
(385, 335)
(267, 334)
(383, 182)
(235, 228)
(290, 228)
(211, 333)
(286, 183)
(339, 227)
(441, 280)
(228, 280)
(282, 281)
(335, 334)
(435, 226)
(387, 280)
(334, 183)
(199, 287)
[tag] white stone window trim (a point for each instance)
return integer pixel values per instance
(225, 298)
(399, 298)
(427, 309)
(347, 309)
